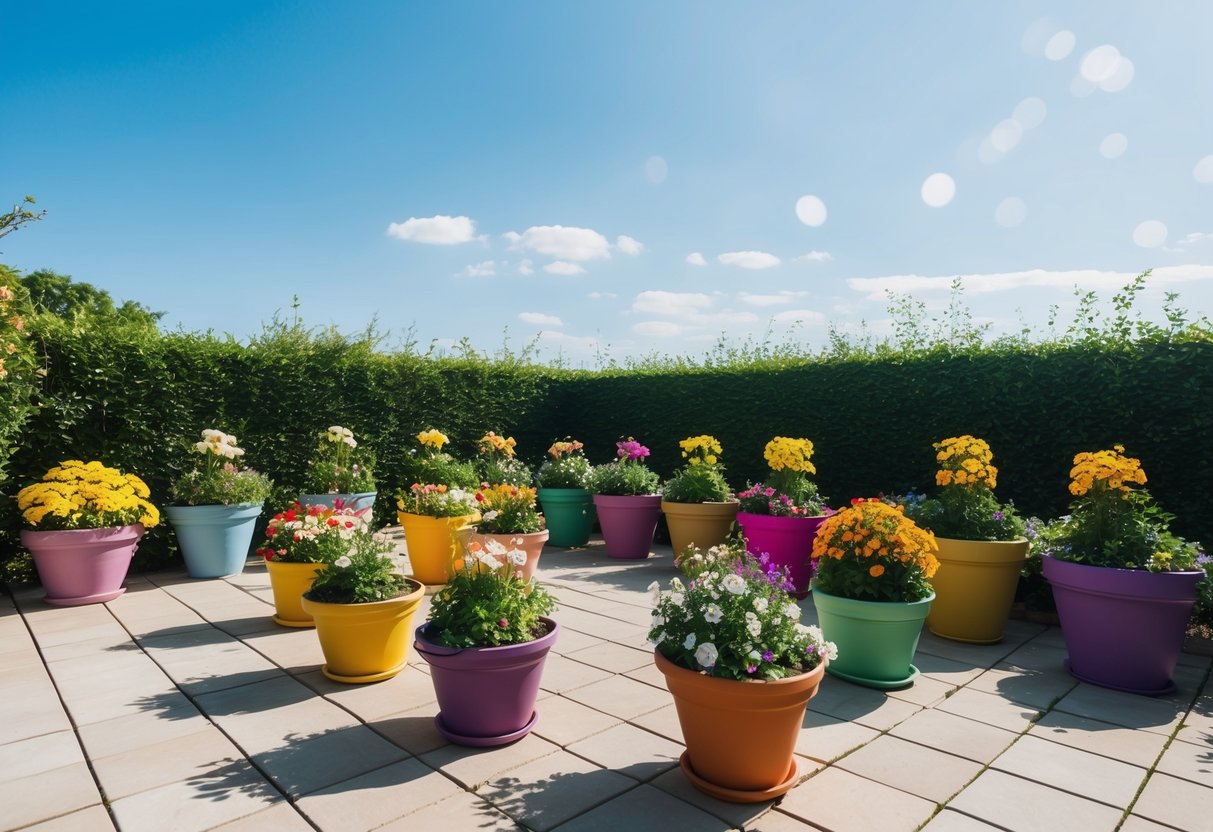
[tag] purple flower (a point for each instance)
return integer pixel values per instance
(998, 515)
(751, 669)
(631, 450)
(768, 656)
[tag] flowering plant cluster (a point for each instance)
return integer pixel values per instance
(566, 466)
(340, 466)
(367, 573)
(627, 476)
(430, 463)
(694, 561)
(1114, 523)
(496, 462)
(787, 490)
(701, 480)
(311, 534)
(871, 551)
(736, 620)
(507, 509)
(487, 603)
(965, 507)
(436, 500)
(217, 479)
(86, 495)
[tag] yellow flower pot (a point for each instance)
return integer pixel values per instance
(433, 544)
(703, 524)
(289, 581)
(366, 642)
(975, 587)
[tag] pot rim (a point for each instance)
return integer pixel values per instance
(423, 644)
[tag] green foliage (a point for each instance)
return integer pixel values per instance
(340, 465)
(697, 484)
(784, 494)
(441, 468)
(366, 574)
(20, 215)
(311, 534)
(487, 604)
(18, 371)
(436, 500)
(55, 294)
(508, 509)
(965, 512)
(624, 478)
(508, 470)
(572, 471)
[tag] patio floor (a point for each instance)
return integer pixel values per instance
(182, 706)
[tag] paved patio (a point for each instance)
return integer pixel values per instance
(182, 706)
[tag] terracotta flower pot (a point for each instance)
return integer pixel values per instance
(740, 736)
(788, 541)
(531, 543)
(699, 524)
(289, 581)
(628, 523)
(365, 642)
(1124, 628)
(82, 566)
(876, 639)
(510, 674)
(433, 544)
(975, 587)
(569, 513)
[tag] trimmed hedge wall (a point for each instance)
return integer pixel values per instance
(133, 398)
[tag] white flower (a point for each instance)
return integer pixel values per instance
(689, 644)
(676, 598)
(517, 557)
(489, 515)
(706, 655)
(760, 604)
(792, 611)
(202, 447)
(342, 561)
(734, 584)
(752, 624)
(658, 620)
(712, 614)
(830, 649)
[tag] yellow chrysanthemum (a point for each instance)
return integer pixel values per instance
(787, 454)
(79, 495)
(965, 461)
(1107, 470)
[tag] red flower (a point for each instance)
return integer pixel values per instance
(332, 521)
(503, 623)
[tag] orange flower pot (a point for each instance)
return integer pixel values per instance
(740, 735)
(433, 544)
(531, 543)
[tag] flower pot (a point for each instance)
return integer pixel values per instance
(365, 642)
(433, 544)
(531, 543)
(361, 502)
(214, 540)
(1124, 628)
(739, 735)
(628, 524)
(486, 695)
(569, 514)
(788, 541)
(698, 524)
(975, 587)
(82, 566)
(289, 581)
(876, 639)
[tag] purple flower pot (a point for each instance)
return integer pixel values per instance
(787, 541)
(628, 524)
(486, 695)
(1124, 628)
(82, 566)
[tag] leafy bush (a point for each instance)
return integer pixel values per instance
(339, 465)
(696, 484)
(366, 574)
(507, 509)
(566, 466)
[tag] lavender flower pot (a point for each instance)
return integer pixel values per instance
(486, 695)
(82, 566)
(1124, 628)
(787, 541)
(628, 524)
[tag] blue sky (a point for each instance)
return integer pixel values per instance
(617, 178)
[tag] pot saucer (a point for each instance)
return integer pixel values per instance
(292, 622)
(1169, 688)
(360, 680)
(739, 795)
(80, 600)
(485, 742)
(879, 684)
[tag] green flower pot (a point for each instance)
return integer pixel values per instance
(876, 639)
(569, 514)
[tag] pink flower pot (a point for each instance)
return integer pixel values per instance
(83, 566)
(787, 541)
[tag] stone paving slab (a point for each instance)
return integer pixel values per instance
(181, 706)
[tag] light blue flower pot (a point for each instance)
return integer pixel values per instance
(214, 539)
(363, 501)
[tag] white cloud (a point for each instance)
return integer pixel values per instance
(749, 259)
(811, 210)
(439, 231)
(658, 329)
(1150, 234)
(938, 189)
(874, 288)
(628, 245)
(571, 243)
(673, 304)
(602, 295)
(562, 268)
(813, 257)
(780, 299)
(1203, 172)
(1060, 45)
(487, 268)
(526, 268)
(696, 259)
(1194, 237)
(539, 319)
(1113, 145)
(577, 343)
(807, 316)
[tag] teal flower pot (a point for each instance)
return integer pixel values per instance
(569, 514)
(876, 639)
(214, 540)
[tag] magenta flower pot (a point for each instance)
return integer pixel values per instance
(1124, 628)
(628, 524)
(486, 695)
(82, 566)
(787, 541)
